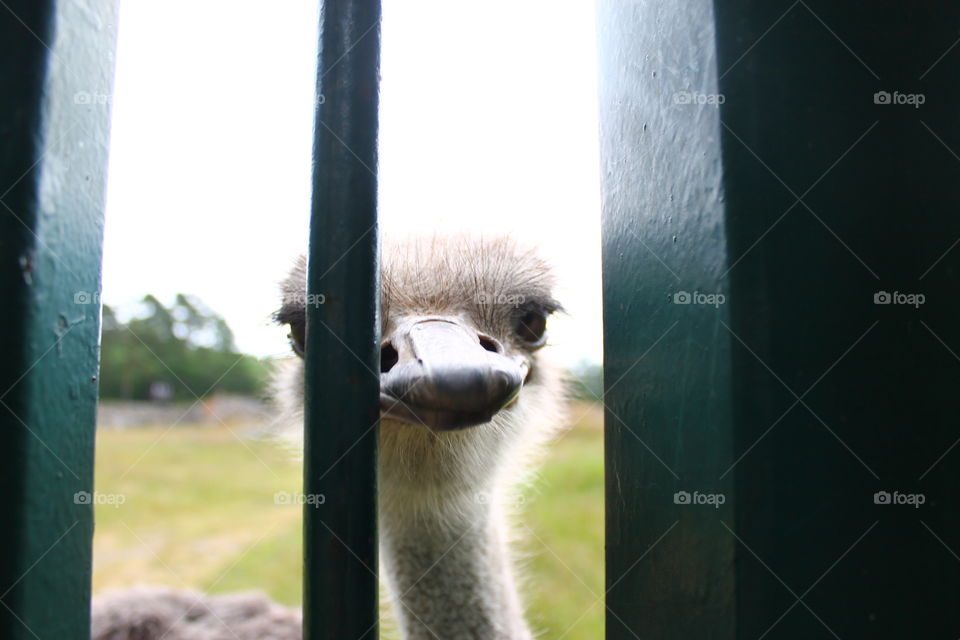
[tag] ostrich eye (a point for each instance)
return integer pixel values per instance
(298, 337)
(532, 327)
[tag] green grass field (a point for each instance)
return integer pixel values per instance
(198, 511)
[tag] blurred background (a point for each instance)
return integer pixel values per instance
(488, 123)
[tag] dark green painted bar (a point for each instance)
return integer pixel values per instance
(816, 185)
(55, 82)
(343, 352)
(667, 372)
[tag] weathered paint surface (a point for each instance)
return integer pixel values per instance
(55, 85)
(757, 150)
(667, 366)
(343, 333)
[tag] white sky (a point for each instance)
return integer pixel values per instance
(488, 122)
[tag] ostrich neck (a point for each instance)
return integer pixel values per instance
(451, 574)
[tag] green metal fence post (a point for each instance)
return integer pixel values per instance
(55, 87)
(667, 377)
(343, 352)
(782, 462)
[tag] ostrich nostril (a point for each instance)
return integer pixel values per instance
(489, 344)
(388, 357)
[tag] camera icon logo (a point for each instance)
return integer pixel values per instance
(881, 497)
(82, 497)
(881, 97)
(681, 497)
(82, 297)
(882, 297)
(682, 297)
(282, 497)
(682, 97)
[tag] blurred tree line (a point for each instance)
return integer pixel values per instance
(179, 352)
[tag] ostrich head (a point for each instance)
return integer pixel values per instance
(463, 319)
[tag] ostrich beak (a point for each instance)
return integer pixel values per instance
(438, 372)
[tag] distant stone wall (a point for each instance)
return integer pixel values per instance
(112, 414)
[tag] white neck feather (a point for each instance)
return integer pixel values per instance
(450, 574)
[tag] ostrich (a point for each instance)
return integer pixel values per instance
(466, 399)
